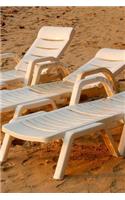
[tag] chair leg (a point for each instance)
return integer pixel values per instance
(5, 147)
(67, 144)
(36, 76)
(63, 157)
(121, 147)
(109, 142)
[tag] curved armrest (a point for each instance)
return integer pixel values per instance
(32, 65)
(9, 55)
(59, 67)
(106, 72)
(31, 105)
(80, 84)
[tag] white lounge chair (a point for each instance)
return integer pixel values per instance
(69, 122)
(62, 89)
(48, 46)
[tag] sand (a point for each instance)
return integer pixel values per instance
(91, 168)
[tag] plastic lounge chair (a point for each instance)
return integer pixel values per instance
(68, 123)
(49, 45)
(62, 89)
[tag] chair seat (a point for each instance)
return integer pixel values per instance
(58, 87)
(53, 125)
(12, 98)
(9, 99)
(11, 75)
(103, 106)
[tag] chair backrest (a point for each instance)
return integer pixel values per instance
(111, 54)
(50, 42)
(112, 59)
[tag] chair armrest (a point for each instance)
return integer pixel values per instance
(32, 65)
(80, 84)
(106, 72)
(60, 67)
(10, 55)
(31, 105)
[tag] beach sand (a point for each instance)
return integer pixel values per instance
(91, 168)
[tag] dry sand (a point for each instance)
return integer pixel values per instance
(91, 168)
